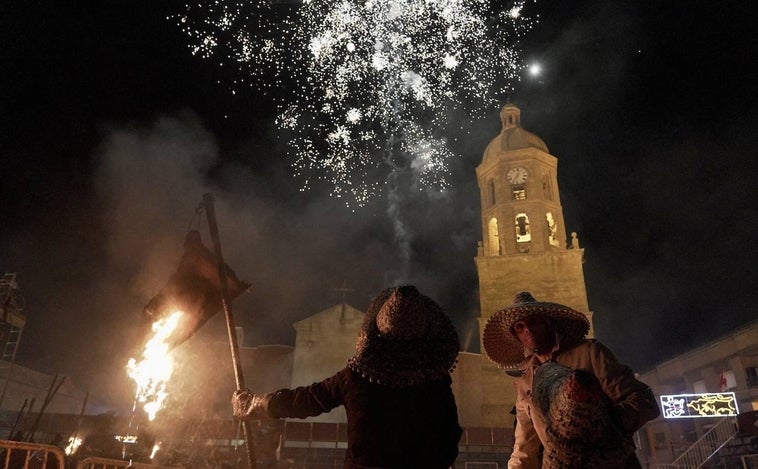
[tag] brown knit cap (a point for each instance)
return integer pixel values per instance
(402, 315)
(406, 339)
(500, 343)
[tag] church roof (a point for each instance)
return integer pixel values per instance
(336, 310)
(517, 138)
(513, 136)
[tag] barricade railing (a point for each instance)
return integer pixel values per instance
(704, 448)
(94, 462)
(24, 455)
(749, 461)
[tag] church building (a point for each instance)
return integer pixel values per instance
(524, 246)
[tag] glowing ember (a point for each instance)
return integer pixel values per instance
(156, 447)
(128, 439)
(73, 445)
(153, 372)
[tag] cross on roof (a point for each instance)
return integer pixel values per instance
(344, 290)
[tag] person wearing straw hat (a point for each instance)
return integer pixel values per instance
(566, 382)
(396, 389)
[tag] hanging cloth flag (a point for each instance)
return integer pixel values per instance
(195, 289)
(722, 381)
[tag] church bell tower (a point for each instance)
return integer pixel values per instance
(525, 246)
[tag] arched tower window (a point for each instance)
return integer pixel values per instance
(510, 116)
(493, 238)
(518, 191)
(552, 229)
(523, 235)
(492, 191)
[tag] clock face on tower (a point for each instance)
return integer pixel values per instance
(516, 175)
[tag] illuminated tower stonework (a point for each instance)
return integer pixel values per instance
(525, 245)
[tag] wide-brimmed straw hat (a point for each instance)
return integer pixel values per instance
(500, 342)
(406, 339)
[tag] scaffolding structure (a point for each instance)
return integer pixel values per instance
(12, 321)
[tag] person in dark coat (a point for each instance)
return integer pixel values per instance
(396, 389)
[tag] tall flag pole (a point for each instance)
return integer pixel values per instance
(208, 203)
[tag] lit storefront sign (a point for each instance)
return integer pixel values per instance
(678, 406)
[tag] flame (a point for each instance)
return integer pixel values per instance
(153, 372)
(156, 447)
(128, 439)
(73, 444)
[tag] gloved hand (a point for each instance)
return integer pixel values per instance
(247, 406)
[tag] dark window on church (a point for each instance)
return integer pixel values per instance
(752, 376)
(492, 192)
(519, 191)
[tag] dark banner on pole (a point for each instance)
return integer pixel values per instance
(194, 289)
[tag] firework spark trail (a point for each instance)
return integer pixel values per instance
(364, 76)
(401, 230)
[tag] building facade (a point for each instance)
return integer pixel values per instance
(12, 322)
(727, 364)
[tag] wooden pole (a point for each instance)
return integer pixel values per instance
(54, 386)
(75, 431)
(208, 203)
(18, 417)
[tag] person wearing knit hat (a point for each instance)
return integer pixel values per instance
(566, 382)
(396, 388)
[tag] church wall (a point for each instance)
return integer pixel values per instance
(556, 277)
(467, 388)
(323, 344)
(498, 396)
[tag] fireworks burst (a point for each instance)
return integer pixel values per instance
(371, 83)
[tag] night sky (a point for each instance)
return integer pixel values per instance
(111, 132)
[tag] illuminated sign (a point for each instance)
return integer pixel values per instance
(680, 406)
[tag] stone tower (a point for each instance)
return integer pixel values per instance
(524, 245)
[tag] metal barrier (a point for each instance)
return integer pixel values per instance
(105, 463)
(23, 455)
(709, 444)
(749, 461)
